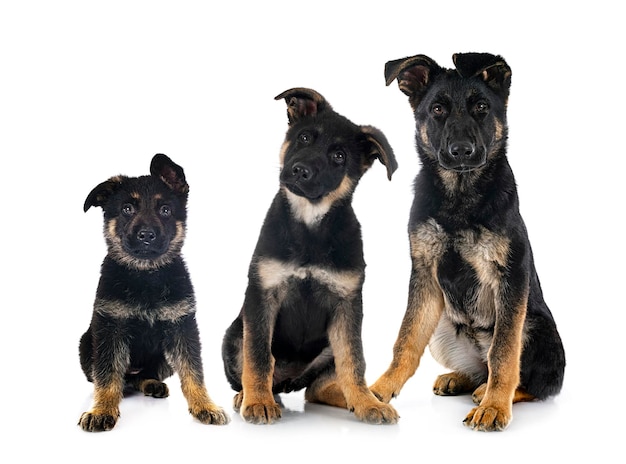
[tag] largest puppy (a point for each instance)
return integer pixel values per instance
(474, 292)
(300, 324)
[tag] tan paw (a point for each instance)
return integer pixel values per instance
(261, 413)
(488, 418)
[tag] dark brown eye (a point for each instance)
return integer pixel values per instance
(305, 137)
(437, 109)
(128, 209)
(165, 211)
(482, 107)
(339, 157)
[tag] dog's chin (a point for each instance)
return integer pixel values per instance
(314, 196)
(146, 253)
(461, 168)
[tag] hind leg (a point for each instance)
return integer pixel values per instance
(325, 390)
(150, 387)
(543, 358)
(453, 383)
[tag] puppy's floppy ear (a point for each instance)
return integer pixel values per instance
(414, 75)
(380, 148)
(169, 172)
(102, 192)
(303, 102)
(491, 68)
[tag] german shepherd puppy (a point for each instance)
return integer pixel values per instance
(143, 327)
(300, 324)
(474, 294)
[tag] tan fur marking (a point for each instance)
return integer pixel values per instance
(283, 152)
(107, 399)
(428, 243)
(453, 383)
(272, 273)
(105, 409)
(200, 404)
(486, 252)
(495, 409)
(257, 401)
(192, 385)
(358, 397)
(166, 312)
(312, 213)
(424, 135)
(327, 393)
(499, 130)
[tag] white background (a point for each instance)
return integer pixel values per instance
(93, 89)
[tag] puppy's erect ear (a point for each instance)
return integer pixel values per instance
(169, 172)
(303, 102)
(491, 68)
(102, 192)
(414, 75)
(380, 149)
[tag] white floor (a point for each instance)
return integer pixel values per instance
(573, 425)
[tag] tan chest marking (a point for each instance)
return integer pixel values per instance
(166, 312)
(274, 273)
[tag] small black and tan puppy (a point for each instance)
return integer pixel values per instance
(143, 327)
(474, 293)
(300, 324)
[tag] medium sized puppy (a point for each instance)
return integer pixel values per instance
(143, 327)
(300, 324)
(474, 293)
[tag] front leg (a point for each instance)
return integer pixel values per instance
(423, 312)
(256, 400)
(183, 353)
(495, 410)
(428, 243)
(110, 359)
(346, 343)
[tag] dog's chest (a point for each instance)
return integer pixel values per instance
(291, 280)
(303, 298)
(468, 266)
(150, 296)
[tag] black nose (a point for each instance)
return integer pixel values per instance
(146, 235)
(459, 150)
(301, 171)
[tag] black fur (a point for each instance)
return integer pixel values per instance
(143, 327)
(473, 268)
(300, 324)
